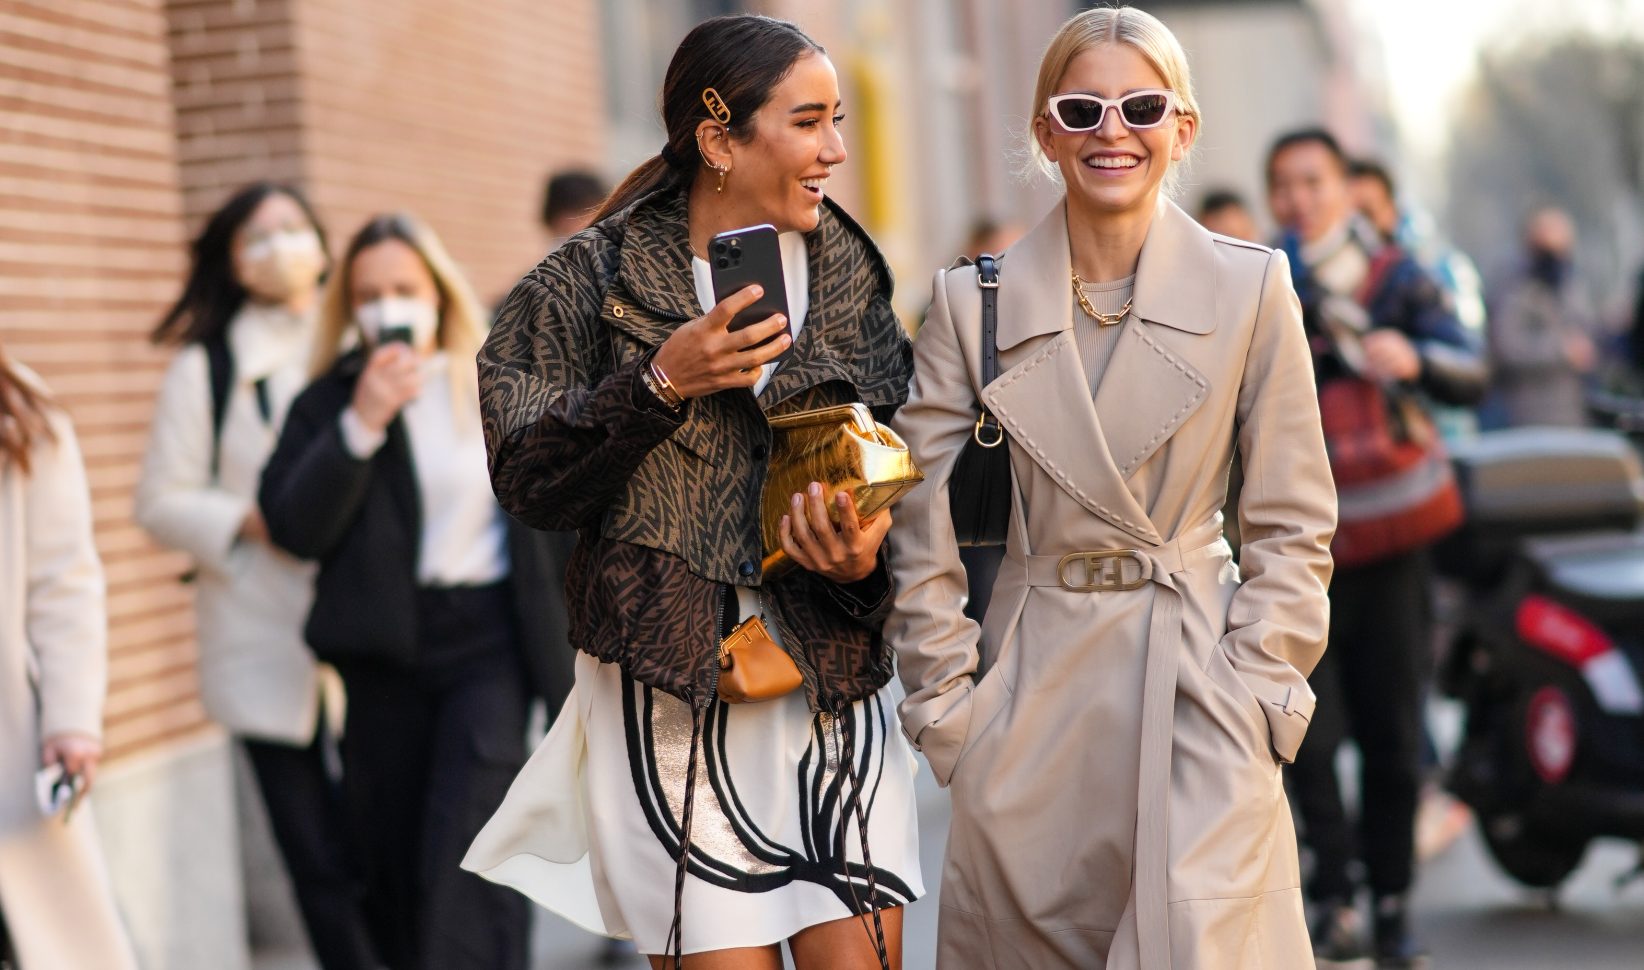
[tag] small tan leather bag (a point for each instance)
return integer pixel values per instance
(753, 667)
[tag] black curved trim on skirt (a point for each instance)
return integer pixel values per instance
(825, 809)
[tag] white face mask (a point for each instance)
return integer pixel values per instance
(398, 317)
(278, 266)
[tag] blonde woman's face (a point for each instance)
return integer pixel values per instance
(1113, 169)
(389, 285)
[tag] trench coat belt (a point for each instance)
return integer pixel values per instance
(1114, 572)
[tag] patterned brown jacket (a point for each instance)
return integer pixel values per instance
(667, 505)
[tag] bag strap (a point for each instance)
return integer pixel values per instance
(220, 368)
(220, 365)
(1381, 266)
(987, 280)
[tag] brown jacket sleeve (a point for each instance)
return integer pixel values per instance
(564, 427)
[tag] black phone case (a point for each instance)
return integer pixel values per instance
(742, 257)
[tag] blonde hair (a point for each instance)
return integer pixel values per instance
(1136, 29)
(463, 324)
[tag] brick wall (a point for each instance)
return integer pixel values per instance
(124, 122)
(454, 109)
(90, 254)
(234, 65)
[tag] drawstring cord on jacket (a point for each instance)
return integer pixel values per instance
(676, 931)
(853, 804)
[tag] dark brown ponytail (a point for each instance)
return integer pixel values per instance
(743, 57)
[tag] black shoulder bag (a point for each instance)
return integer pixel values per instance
(979, 492)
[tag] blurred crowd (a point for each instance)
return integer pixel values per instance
(305, 380)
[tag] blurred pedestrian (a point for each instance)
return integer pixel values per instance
(1542, 329)
(617, 402)
(569, 200)
(427, 598)
(1376, 197)
(1384, 339)
(56, 903)
(244, 325)
(1226, 212)
(1112, 732)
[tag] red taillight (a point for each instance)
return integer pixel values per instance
(1560, 631)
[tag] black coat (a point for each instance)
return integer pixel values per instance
(362, 521)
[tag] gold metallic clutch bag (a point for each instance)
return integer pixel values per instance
(846, 450)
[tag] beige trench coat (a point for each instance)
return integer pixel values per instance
(54, 890)
(1114, 755)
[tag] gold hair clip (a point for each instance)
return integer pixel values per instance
(716, 106)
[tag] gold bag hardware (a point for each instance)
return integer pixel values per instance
(846, 450)
(753, 667)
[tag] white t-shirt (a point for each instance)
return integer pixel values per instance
(796, 273)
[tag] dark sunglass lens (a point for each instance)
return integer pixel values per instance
(1077, 114)
(1145, 109)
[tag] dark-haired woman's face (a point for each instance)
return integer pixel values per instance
(780, 174)
(277, 253)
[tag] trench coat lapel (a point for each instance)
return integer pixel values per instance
(1150, 388)
(1043, 398)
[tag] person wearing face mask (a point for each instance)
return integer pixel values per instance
(429, 600)
(618, 403)
(1541, 331)
(1112, 730)
(244, 327)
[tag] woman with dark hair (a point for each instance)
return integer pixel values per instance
(429, 600)
(617, 402)
(244, 326)
(55, 897)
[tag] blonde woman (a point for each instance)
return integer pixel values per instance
(1113, 730)
(428, 600)
(55, 898)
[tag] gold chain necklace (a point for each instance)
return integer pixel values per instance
(1102, 319)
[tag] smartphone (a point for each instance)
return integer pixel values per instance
(394, 333)
(58, 792)
(742, 257)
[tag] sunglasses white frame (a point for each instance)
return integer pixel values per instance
(1173, 104)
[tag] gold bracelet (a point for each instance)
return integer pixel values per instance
(665, 388)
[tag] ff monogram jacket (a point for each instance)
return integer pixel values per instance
(667, 504)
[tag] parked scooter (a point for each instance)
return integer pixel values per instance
(1549, 651)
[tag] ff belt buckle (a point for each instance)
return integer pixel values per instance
(1101, 571)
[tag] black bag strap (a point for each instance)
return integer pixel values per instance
(987, 279)
(220, 364)
(220, 368)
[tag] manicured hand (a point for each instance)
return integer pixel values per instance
(704, 356)
(844, 553)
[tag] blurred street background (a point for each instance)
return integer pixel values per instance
(123, 123)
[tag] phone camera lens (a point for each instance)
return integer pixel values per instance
(719, 247)
(723, 263)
